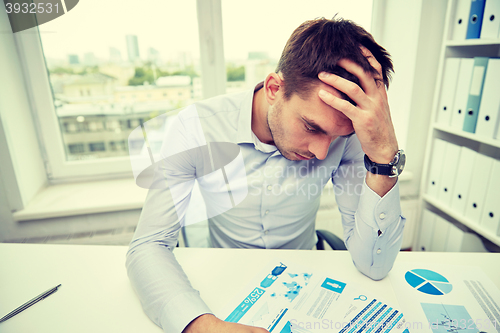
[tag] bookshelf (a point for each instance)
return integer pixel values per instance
(480, 144)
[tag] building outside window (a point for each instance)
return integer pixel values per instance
(102, 77)
(76, 148)
(97, 146)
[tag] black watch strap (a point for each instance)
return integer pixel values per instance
(378, 169)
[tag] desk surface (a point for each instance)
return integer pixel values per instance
(96, 295)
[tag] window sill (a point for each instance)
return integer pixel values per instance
(83, 198)
(90, 198)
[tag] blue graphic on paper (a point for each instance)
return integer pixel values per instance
(287, 328)
(428, 282)
(277, 320)
(292, 285)
(444, 318)
(270, 278)
(247, 303)
(333, 285)
(293, 290)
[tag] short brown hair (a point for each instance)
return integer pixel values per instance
(317, 45)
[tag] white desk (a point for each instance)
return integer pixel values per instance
(96, 295)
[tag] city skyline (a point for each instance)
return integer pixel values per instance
(173, 27)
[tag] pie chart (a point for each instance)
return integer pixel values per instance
(428, 282)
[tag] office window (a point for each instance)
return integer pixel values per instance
(252, 49)
(110, 68)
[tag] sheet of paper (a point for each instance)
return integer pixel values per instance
(446, 298)
(286, 298)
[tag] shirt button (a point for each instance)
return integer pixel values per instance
(382, 216)
(269, 187)
(378, 251)
(266, 232)
(267, 212)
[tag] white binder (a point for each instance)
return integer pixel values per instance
(478, 187)
(440, 234)
(462, 93)
(447, 181)
(436, 166)
(463, 178)
(463, 241)
(491, 20)
(460, 20)
(490, 218)
(488, 118)
(426, 230)
(448, 89)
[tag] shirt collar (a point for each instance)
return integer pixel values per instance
(245, 134)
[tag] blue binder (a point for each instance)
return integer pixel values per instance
(475, 19)
(475, 93)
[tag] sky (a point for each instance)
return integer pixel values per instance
(171, 26)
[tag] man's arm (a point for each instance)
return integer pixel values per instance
(373, 225)
(164, 290)
(371, 117)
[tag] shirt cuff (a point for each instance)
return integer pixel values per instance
(182, 310)
(378, 212)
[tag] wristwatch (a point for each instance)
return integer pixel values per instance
(393, 169)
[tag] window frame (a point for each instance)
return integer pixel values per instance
(58, 169)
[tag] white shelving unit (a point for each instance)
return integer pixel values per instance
(487, 146)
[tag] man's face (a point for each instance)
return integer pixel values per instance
(304, 129)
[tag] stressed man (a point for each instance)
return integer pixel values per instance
(322, 117)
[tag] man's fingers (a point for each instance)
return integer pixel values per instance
(371, 59)
(379, 80)
(367, 80)
(349, 88)
(338, 103)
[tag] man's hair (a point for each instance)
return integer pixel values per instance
(317, 46)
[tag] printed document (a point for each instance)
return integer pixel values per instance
(287, 298)
(446, 299)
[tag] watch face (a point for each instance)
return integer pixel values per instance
(399, 164)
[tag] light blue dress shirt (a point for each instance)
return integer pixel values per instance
(255, 198)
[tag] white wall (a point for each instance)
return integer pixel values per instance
(412, 32)
(18, 129)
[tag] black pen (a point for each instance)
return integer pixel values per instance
(29, 303)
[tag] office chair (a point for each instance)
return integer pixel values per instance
(333, 241)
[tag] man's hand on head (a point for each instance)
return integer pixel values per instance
(210, 324)
(371, 117)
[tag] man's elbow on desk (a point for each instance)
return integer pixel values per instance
(378, 261)
(375, 274)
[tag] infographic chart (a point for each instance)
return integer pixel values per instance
(428, 282)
